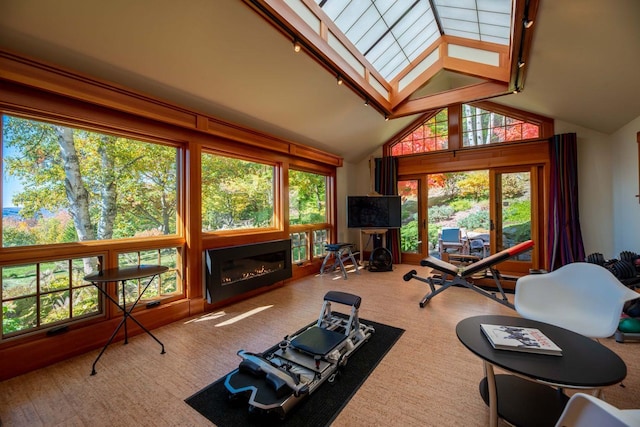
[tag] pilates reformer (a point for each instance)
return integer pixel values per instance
(276, 380)
(459, 274)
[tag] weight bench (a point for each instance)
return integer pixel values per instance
(341, 252)
(459, 274)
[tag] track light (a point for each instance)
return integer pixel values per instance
(386, 118)
(521, 64)
(516, 90)
(366, 102)
(528, 23)
(296, 46)
(339, 79)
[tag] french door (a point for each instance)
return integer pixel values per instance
(495, 208)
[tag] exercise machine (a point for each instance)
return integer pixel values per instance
(459, 274)
(276, 380)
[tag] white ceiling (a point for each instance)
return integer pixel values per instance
(219, 57)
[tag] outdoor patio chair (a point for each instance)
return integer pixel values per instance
(451, 240)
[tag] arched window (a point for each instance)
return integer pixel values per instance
(481, 127)
(430, 135)
(475, 124)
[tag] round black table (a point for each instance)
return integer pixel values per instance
(533, 396)
(120, 276)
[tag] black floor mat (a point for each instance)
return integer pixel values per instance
(320, 408)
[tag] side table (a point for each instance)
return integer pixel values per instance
(119, 276)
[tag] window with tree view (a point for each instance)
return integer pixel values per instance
(64, 184)
(431, 135)
(236, 194)
(481, 127)
(307, 214)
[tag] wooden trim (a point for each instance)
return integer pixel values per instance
(34, 90)
(473, 92)
(73, 85)
(490, 156)
(638, 140)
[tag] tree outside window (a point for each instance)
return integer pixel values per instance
(68, 185)
(236, 194)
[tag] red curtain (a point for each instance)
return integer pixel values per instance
(565, 238)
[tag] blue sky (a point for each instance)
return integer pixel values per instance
(9, 184)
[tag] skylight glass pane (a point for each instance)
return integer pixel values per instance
(398, 63)
(391, 52)
(496, 40)
(464, 34)
(501, 19)
(371, 36)
(393, 13)
(410, 34)
(381, 48)
(393, 33)
(457, 13)
(363, 25)
(501, 6)
(333, 8)
(348, 17)
(416, 47)
(467, 4)
(419, 49)
(454, 24)
(493, 30)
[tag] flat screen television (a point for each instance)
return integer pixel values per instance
(373, 212)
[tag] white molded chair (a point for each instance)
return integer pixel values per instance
(584, 410)
(582, 297)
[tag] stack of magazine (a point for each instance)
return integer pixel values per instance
(518, 338)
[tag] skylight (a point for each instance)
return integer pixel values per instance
(393, 33)
(410, 56)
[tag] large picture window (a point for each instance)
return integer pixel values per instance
(307, 215)
(63, 184)
(236, 193)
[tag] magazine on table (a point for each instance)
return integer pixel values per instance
(518, 338)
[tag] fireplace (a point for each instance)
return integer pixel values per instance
(235, 270)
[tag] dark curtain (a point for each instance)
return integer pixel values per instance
(565, 237)
(386, 183)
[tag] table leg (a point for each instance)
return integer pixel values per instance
(124, 312)
(93, 367)
(493, 394)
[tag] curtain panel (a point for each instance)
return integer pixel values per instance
(565, 237)
(386, 183)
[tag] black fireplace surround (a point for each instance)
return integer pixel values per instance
(235, 270)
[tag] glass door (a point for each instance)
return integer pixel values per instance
(511, 214)
(412, 231)
(493, 209)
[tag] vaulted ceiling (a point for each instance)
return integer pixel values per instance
(224, 59)
(408, 57)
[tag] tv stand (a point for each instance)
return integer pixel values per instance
(369, 232)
